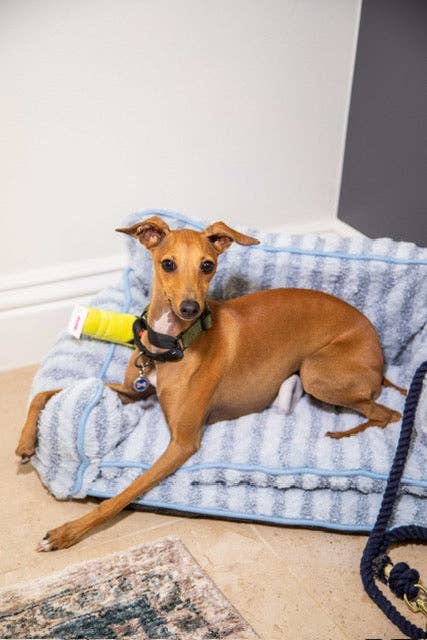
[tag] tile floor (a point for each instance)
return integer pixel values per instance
(287, 582)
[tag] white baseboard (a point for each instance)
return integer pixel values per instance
(35, 305)
(344, 229)
(57, 282)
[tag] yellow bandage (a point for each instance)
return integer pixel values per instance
(111, 326)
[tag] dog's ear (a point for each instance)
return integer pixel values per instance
(149, 232)
(221, 236)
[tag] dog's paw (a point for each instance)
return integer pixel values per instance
(60, 538)
(45, 544)
(23, 456)
(290, 392)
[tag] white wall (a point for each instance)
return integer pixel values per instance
(232, 109)
(226, 108)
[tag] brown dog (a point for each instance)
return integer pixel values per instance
(238, 366)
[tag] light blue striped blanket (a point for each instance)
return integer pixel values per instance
(267, 466)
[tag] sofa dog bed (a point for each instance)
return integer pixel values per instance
(266, 467)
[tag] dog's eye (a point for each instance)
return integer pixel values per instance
(207, 266)
(168, 265)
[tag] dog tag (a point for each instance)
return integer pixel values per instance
(141, 383)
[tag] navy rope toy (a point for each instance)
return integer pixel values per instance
(403, 581)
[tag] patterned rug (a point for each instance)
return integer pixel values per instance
(156, 590)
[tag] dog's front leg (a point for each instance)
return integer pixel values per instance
(186, 430)
(28, 438)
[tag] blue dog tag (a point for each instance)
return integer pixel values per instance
(141, 384)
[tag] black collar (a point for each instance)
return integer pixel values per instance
(175, 345)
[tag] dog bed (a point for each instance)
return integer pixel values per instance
(266, 467)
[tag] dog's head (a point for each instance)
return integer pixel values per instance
(185, 260)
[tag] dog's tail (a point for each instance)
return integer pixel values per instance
(388, 383)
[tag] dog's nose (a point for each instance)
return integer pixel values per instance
(189, 308)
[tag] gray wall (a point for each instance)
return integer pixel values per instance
(384, 182)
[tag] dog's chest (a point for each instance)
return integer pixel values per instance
(164, 324)
(152, 376)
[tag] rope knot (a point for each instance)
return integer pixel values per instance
(402, 580)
